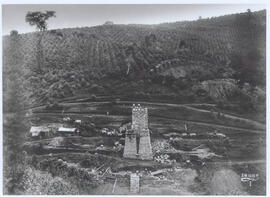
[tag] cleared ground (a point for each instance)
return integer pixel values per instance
(195, 170)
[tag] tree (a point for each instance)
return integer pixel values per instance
(39, 19)
(14, 33)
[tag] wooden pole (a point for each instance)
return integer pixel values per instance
(99, 167)
(114, 185)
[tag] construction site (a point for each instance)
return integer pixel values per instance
(136, 148)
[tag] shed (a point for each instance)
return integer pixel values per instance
(67, 131)
(78, 121)
(39, 131)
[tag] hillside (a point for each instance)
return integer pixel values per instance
(198, 93)
(178, 60)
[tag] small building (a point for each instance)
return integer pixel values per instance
(40, 131)
(78, 121)
(67, 131)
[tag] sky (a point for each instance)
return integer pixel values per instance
(13, 15)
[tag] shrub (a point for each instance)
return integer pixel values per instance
(58, 167)
(35, 182)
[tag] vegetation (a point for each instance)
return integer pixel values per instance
(39, 19)
(218, 60)
(25, 179)
(175, 58)
(35, 182)
(14, 123)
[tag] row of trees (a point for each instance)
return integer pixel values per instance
(57, 63)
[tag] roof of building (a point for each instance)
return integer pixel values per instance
(35, 130)
(63, 129)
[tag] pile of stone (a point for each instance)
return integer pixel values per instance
(160, 146)
(109, 132)
(164, 159)
(101, 147)
(117, 146)
(57, 141)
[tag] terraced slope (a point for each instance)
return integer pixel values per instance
(175, 56)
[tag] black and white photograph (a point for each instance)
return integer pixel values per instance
(134, 99)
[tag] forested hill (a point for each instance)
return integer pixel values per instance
(182, 59)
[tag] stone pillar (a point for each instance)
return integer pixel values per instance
(134, 183)
(137, 142)
(145, 149)
(139, 118)
(130, 150)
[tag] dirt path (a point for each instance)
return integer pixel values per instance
(259, 161)
(187, 106)
(258, 124)
(177, 119)
(216, 125)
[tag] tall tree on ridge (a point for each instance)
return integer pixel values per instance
(39, 19)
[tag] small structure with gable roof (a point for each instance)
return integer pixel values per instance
(40, 131)
(78, 121)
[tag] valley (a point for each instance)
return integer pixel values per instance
(196, 150)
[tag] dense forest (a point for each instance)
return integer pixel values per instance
(219, 59)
